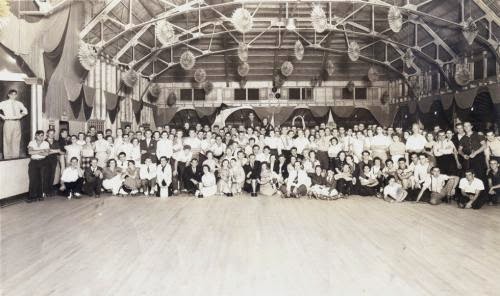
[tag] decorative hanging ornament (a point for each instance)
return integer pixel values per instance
(353, 51)
(470, 30)
(208, 87)
(165, 32)
(286, 68)
(409, 58)
(350, 86)
(155, 90)
(462, 74)
(243, 52)
(298, 50)
(171, 99)
(330, 68)
(87, 55)
(187, 60)
(395, 19)
(243, 69)
(130, 78)
(200, 75)
(372, 74)
(318, 19)
(242, 20)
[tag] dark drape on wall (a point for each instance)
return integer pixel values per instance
(494, 90)
(164, 115)
(343, 111)
(137, 108)
(206, 115)
(465, 99)
(282, 115)
(89, 94)
(112, 105)
(447, 100)
(308, 116)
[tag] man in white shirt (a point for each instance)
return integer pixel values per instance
(273, 142)
(72, 179)
(38, 149)
(194, 142)
(147, 173)
(416, 142)
(421, 171)
(164, 146)
(122, 162)
(438, 186)
(301, 142)
(471, 189)
(492, 147)
(13, 111)
(298, 182)
(163, 176)
(380, 144)
(125, 147)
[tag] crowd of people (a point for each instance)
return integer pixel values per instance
(323, 162)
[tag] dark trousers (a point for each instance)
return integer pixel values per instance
(477, 165)
(92, 186)
(51, 165)
(447, 165)
(37, 175)
(74, 187)
(323, 158)
(344, 187)
(477, 204)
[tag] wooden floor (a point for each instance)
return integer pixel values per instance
(247, 246)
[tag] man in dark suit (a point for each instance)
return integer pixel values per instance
(191, 176)
(251, 121)
(148, 147)
(252, 174)
(93, 179)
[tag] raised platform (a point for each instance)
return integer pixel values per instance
(247, 246)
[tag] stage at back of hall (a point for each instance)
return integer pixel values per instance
(247, 246)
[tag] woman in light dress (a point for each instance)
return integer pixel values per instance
(224, 183)
(101, 148)
(208, 185)
(267, 186)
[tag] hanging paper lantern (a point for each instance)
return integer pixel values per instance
(187, 60)
(243, 52)
(87, 55)
(350, 86)
(470, 30)
(286, 68)
(242, 20)
(130, 78)
(462, 74)
(243, 69)
(408, 58)
(165, 32)
(330, 68)
(372, 74)
(353, 51)
(171, 99)
(208, 87)
(154, 90)
(298, 50)
(395, 19)
(200, 75)
(318, 19)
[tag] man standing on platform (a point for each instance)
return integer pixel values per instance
(13, 112)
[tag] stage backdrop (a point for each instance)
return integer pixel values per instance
(23, 96)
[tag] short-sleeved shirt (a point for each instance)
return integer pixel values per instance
(13, 108)
(495, 177)
(471, 143)
(471, 187)
(436, 184)
(415, 143)
(44, 145)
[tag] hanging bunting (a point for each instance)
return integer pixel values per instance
(330, 68)
(286, 68)
(318, 19)
(165, 32)
(187, 60)
(87, 55)
(298, 50)
(200, 75)
(353, 51)
(470, 30)
(242, 20)
(395, 19)
(243, 69)
(243, 52)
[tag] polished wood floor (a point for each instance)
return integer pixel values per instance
(247, 246)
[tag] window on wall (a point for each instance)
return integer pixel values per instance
(306, 93)
(253, 94)
(360, 94)
(240, 94)
(347, 94)
(186, 94)
(199, 94)
(294, 93)
(298, 93)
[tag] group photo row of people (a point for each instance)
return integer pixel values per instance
(323, 162)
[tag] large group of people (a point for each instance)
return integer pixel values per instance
(324, 162)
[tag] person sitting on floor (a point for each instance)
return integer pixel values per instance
(345, 181)
(208, 185)
(237, 176)
(112, 180)
(93, 179)
(472, 191)
(368, 183)
(148, 176)
(394, 191)
(163, 176)
(494, 182)
(438, 186)
(252, 174)
(267, 186)
(132, 181)
(298, 182)
(192, 176)
(72, 179)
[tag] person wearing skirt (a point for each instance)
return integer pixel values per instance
(267, 187)
(87, 153)
(224, 183)
(208, 184)
(112, 177)
(446, 155)
(101, 148)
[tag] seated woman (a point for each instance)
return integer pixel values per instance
(368, 183)
(208, 185)
(132, 181)
(237, 176)
(267, 186)
(72, 179)
(298, 182)
(112, 177)
(323, 184)
(224, 184)
(345, 181)
(394, 191)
